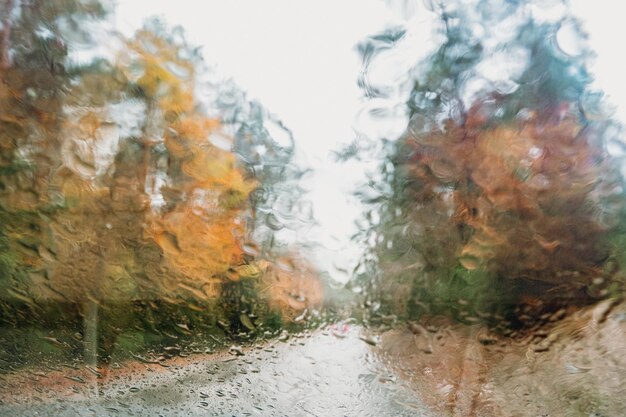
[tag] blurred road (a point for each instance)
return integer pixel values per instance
(573, 368)
(321, 374)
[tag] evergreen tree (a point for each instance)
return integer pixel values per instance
(277, 284)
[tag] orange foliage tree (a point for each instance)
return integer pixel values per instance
(499, 197)
(121, 200)
(526, 199)
(198, 193)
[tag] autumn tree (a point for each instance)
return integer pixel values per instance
(36, 72)
(131, 195)
(501, 193)
(215, 177)
(197, 194)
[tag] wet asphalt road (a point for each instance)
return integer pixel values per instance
(321, 374)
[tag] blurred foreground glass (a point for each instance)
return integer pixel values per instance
(150, 218)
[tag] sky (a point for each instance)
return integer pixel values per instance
(298, 58)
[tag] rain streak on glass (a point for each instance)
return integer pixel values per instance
(165, 247)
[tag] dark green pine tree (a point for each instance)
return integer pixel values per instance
(264, 147)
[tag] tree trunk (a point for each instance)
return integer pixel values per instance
(90, 329)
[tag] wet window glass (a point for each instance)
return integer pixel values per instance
(313, 208)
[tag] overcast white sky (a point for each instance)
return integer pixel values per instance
(298, 59)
